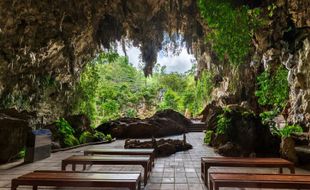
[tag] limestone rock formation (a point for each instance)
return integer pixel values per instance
(163, 123)
(243, 135)
(45, 45)
(14, 127)
(163, 147)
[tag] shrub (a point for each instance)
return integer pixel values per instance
(87, 137)
(289, 129)
(208, 135)
(66, 133)
(268, 116)
(222, 124)
(71, 140)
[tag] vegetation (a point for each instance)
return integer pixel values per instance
(272, 92)
(208, 136)
(87, 137)
(110, 87)
(223, 122)
(288, 130)
(273, 88)
(231, 28)
(66, 133)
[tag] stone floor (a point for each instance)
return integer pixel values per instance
(180, 171)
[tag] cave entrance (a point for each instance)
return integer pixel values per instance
(113, 85)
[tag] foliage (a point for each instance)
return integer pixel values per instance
(170, 100)
(66, 132)
(231, 28)
(222, 124)
(208, 135)
(110, 88)
(271, 8)
(86, 137)
(273, 88)
(22, 153)
(70, 140)
(288, 130)
(268, 116)
(102, 137)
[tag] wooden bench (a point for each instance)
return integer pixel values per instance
(131, 181)
(144, 161)
(106, 151)
(207, 162)
(246, 180)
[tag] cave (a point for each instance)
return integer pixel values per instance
(248, 88)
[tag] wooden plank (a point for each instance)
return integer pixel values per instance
(106, 151)
(107, 158)
(207, 162)
(103, 150)
(77, 179)
(144, 161)
(240, 180)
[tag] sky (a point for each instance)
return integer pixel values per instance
(174, 63)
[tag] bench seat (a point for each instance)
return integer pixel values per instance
(131, 181)
(246, 180)
(207, 162)
(110, 151)
(144, 161)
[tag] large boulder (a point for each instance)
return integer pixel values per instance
(79, 123)
(245, 133)
(163, 147)
(163, 123)
(14, 127)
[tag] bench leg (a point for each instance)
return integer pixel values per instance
(202, 170)
(145, 166)
(14, 185)
(73, 167)
(215, 186)
(132, 186)
(206, 177)
(63, 166)
(153, 160)
(292, 169)
(139, 184)
(84, 166)
(211, 185)
(34, 187)
(281, 170)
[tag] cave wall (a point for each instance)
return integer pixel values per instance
(44, 45)
(284, 40)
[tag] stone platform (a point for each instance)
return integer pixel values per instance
(180, 171)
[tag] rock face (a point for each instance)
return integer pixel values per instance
(244, 135)
(45, 45)
(163, 147)
(288, 151)
(79, 123)
(14, 127)
(163, 123)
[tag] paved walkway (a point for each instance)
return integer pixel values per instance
(180, 171)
